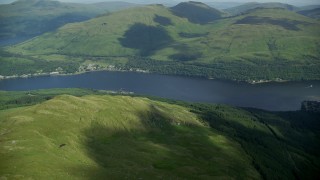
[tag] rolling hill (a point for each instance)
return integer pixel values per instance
(310, 7)
(24, 19)
(223, 5)
(95, 136)
(267, 44)
(253, 5)
(313, 13)
(197, 12)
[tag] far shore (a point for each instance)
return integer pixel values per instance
(253, 82)
(54, 73)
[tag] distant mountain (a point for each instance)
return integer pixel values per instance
(25, 19)
(267, 44)
(112, 6)
(196, 12)
(313, 13)
(310, 7)
(164, 2)
(223, 5)
(6, 1)
(144, 2)
(249, 6)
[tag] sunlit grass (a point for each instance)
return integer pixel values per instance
(114, 136)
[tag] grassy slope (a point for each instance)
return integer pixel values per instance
(285, 46)
(96, 38)
(250, 41)
(26, 19)
(9, 99)
(135, 137)
(115, 137)
(253, 5)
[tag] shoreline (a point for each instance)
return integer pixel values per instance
(252, 82)
(66, 74)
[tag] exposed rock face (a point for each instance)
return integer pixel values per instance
(310, 106)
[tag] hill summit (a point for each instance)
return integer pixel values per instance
(253, 5)
(196, 12)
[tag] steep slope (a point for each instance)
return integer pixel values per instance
(267, 44)
(196, 12)
(24, 19)
(98, 137)
(253, 5)
(113, 35)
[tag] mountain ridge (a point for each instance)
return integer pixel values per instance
(268, 44)
(253, 5)
(22, 20)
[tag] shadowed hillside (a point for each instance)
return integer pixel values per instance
(284, 23)
(196, 12)
(146, 38)
(117, 137)
(313, 13)
(24, 19)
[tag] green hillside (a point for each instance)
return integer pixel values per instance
(267, 44)
(253, 5)
(122, 137)
(24, 19)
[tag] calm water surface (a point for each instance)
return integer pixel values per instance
(270, 96)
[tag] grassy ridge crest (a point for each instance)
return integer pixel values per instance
(95, 135)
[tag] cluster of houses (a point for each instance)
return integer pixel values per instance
(82, 68)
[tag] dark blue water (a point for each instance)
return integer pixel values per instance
(270, 96)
